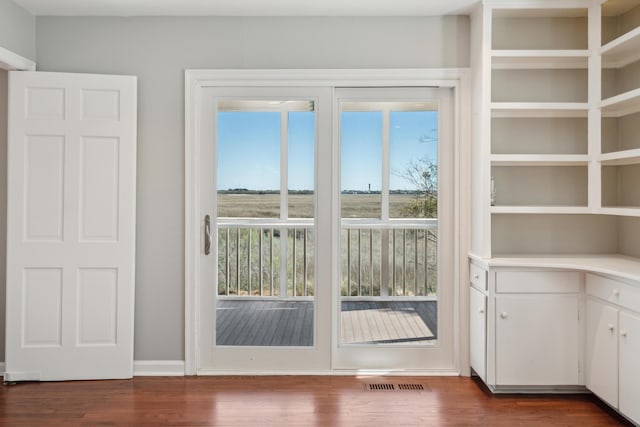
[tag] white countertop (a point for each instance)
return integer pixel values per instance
(615, 265)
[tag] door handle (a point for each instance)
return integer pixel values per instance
(207, 234)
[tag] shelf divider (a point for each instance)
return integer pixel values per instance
(540, 210)
(539, 109)
(539, 59)
(539, 159)
(621, 105)
(622, 51)
(620, 158)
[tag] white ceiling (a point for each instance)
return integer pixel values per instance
(246, 7)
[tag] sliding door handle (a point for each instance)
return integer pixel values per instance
(207, 234)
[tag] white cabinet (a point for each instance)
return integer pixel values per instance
(602, 351)
(524, 327)
(478, 332)
(613, 343)
(536, 339)
(629, 399)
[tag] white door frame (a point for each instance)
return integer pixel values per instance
(457, 79)
(12, 61)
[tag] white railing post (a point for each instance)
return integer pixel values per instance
(389, 264)
(384, 263)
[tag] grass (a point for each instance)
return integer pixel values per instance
(408, 268)
(302, 205)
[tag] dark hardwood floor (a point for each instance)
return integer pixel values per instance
(288, 401)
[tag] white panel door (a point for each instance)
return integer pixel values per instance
(71, 226)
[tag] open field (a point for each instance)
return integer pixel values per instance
(301, 205)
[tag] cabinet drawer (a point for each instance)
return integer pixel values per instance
(613, 291)
(478, 277)
(537, 281)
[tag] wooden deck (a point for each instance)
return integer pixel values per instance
(290, 323)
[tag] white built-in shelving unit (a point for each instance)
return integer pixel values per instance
(620, 107)
(558, 131)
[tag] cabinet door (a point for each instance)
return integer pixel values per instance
(537, 340)
(602, 351)
(629, 367)
(478, 332)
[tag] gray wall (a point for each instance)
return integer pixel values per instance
(158, 50)
(17, 30)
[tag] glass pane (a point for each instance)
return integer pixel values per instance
(265, 277)
(302, 135)
(383, 261)
(361, 163)
(248, 172)
(413, 160)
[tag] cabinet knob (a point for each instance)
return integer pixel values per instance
(616, 292)
(476, 276)
(623, 333)
(481, 310)
(504, 315)
(610, 327)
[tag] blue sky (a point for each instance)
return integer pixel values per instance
(249, 148)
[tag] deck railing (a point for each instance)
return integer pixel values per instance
(379, 259)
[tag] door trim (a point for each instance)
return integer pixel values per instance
(457, 79)
(12, 61)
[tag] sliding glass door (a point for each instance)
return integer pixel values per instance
(266, 300)
(327, 215)
(393, 297)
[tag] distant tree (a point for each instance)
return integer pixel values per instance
(423, 175)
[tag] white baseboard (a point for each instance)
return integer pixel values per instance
(158, 368)
(146, 368)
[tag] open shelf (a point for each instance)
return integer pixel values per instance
(541, 136)
(543, 185)
(558, 231)
(548, 210)
(623, 104)
(620, 186)
(539, 159)
(539, 59)
(620, 135)
(617, 158)
(620, 211)
(556, 85)
(619, 19)
(539, 109)
(622, 51)
(539, 28)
